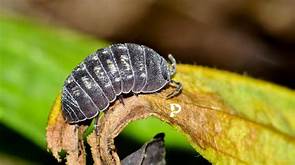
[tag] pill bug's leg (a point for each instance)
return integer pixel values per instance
(76, 127)
(172, 68)
(96, 124)
(121, 99)
(178, 88)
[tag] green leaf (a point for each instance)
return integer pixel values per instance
(35, 60)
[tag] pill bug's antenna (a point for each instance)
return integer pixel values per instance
(177, 85)
(96, 124)
(172, 68)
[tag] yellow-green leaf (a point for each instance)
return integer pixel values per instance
(240, 119)
(223, 131)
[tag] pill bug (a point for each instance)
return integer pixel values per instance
(110, 72)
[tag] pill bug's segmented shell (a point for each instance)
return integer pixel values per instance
(102, 76)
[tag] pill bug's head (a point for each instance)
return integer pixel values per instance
(168, 69)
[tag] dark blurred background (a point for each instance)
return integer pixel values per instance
(251, 37)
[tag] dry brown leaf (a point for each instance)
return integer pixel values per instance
(63, 136)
